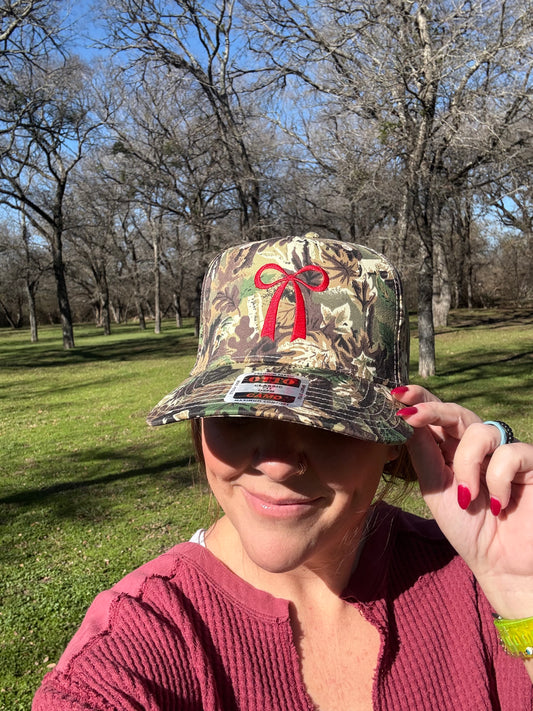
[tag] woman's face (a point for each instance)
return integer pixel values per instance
(286, 519)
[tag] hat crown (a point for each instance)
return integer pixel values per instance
(305, 302)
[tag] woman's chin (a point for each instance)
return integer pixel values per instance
(278, 554)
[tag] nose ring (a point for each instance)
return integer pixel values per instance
(302, 466)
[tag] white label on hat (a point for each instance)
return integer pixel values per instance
(273, 388)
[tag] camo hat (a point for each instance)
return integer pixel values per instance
(301, 329)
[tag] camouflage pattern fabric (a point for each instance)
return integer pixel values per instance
(300, 329)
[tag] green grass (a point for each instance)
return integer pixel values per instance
(485, 363)
(89, 491)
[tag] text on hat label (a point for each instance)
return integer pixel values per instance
(275, 388)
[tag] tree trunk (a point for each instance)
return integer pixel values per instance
(468, 275)
(426, 331)
(139, 308)
(403, 225)
(30, 291)
(14, 321)
(105, 315)
(177, 309)
(116, 312)
(157, 286)
(140, 314)
(197, 305)
(441, 287)
(31, 281)
(104, 304)
(465, 271)
(97, 313)
(62, 292)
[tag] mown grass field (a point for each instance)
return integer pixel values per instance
(88, 491)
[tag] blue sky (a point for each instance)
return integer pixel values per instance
(85, 27)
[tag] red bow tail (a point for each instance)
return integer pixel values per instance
(300, 319)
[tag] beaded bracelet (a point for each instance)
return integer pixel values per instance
(516, 636)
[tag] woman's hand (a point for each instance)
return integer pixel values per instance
(480, 493)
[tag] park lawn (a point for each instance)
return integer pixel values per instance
(485, 363)
(89, 491)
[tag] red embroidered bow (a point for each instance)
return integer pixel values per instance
(300, 328)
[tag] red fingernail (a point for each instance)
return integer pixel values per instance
(495, 506)
(406, 411)
(463, 496)
(400, 390)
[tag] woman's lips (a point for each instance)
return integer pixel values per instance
(280, 507)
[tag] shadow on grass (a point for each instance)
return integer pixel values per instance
(478, 360)
(462, 320)
(125, 346)
(497, 380)
(495, 318)
(40, 390)
(28, 497)
(92, 498)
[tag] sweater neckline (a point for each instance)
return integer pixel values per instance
(256, 602)
(367, 582)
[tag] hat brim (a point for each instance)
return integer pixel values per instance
(340, 403)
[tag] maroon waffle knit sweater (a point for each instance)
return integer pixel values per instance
(183, 633)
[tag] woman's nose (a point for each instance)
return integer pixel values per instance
(279, 469)
(277, 454)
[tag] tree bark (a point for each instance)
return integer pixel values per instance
(157, 286)
(426, 330)
(30, 291)
(61, 289)
(106, 318)
(442, 296)
(177, 309)
(31, 282)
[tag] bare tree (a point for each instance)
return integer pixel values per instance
(514, 209)
(195, 41)
(55, 123)
(168, 157)
(89, 245)
(36, 263)
(29, 30)
(444, 85)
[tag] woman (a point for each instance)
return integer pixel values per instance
(308, 592)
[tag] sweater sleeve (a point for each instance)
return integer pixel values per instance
(61, 693)
(141, 659)
(110, 688)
